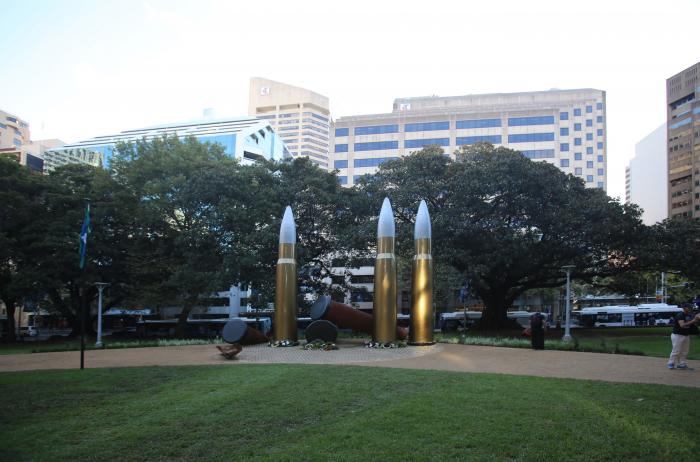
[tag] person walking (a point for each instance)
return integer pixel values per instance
(684, 325)
(537, 331)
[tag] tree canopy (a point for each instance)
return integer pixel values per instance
(508, 224)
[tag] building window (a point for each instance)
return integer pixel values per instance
(599, 106)
(589, 164)
(563, 116)
(564, 131)
(427, 126)
(464, 140)
(343, 179)
(563, 147)
(599, 132)
(537, 120)
(478, 123)
(589, 109)
(340, 163)
(600, 158)
(577, 141)
(372, 162)
(577, 127)
(376, 146)
(17, 142)
(589, 178)
(530, 137)
(426, 142)
(600, 185)
(577, 112)
(601, 171)
(589, 122)
(578, 171)
(376, 129)
(341, 148)
(539, 154)
(577, 156)
(564, 162)
(589, 150)
(599, 119)
(599, 145)
(342, 132)
(589, 136)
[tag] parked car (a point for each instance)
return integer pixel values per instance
(28, 331)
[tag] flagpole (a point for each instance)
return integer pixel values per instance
(86, 227)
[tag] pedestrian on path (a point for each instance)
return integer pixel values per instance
(684, 325)
(537, 331)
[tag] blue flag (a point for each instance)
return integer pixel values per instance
(84, 235)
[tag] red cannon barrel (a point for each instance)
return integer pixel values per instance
(346, 317)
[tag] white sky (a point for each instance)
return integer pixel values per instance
(78, 69)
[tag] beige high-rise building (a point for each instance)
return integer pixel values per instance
(300, 117)
(563, 127)
(683, 138)
(14, 132)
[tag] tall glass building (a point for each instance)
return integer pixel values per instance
(245, 138)
(563, 127)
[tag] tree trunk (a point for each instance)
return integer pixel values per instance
(10, 334)
(181, 330)
(495, 315)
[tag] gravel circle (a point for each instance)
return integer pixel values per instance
(344, 354)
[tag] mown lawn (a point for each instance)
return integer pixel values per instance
(49, 346)
(296, 412)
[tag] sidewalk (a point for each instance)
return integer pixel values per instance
(445, 357)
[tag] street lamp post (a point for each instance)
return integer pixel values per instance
(567, 329)
(100, 287)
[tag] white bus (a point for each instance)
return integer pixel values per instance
(646, 314)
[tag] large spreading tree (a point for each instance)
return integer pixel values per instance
(508, 224)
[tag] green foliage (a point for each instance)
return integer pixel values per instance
(21, 203)
(507, 224)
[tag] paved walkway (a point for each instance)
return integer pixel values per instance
(458, 358)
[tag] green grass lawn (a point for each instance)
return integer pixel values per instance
(647, 341)
(659, 346)
(74, 345)
(296, 412)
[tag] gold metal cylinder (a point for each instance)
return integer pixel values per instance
(286, 295)
(421, 332)
(385, 306)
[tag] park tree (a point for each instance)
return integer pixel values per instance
(21, 207)
(68, 288)
(674, 246)
(195, 209)
(508, 224)
(324, 213)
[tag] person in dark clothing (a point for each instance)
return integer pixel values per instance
(537, 326)
(684, 325)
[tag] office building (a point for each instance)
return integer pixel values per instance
(300, 116)
(14, 132)
(564, 127)
(244, 138)
(15, 142)
(683, 138)
(646, 181)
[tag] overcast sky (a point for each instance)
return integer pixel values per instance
(78, 69)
